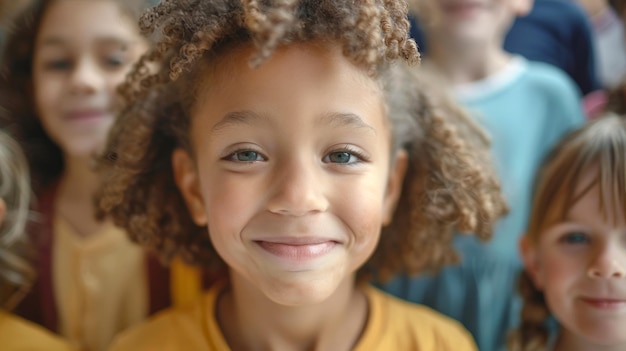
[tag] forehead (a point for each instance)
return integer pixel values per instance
(593, 200)
(320, 59)
(79, 22)
(300, 87)
(322, 71)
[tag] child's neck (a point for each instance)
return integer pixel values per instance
(250, 321)
(570, 342)
(462, 64)
(74, 200)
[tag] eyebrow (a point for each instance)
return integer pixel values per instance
(238, 118)
(104, 40)
(342, 119)
(346, 119)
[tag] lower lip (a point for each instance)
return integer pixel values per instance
(462, 11)
(86, 117)
(605, 304)
(297, 253)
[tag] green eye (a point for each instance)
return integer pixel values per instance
(575, 238)
(58, 65)
(247, 156)
(340, 157)
(115, 61)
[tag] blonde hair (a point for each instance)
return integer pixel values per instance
(449, 182)
(599, 146)
(16, 273)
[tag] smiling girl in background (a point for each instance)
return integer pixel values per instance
(575, 248)
(63, 62)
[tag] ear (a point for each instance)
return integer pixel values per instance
(532, 263)
(188, 183)
(394, 185)
(522, 7)
(3, 210)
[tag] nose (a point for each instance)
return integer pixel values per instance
(86, 77)
(608, 263)
(297, 190)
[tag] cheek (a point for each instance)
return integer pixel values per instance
(230, 200)
(360, 207)
(47, 92)
(560, 274)
(113, 82)
(115, 79)
(47, 96)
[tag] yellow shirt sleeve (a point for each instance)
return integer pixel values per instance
(186, 283)
(20, 335)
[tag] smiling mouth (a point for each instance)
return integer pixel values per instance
(298, 251)
(606, 304)
(86, 115)
(462, 8)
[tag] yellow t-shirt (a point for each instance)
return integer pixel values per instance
(100, 285)
(392, 324)
(17, 334)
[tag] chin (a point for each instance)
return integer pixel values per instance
(300, 292)
(607, 338)
(609, 333)
(84, 150)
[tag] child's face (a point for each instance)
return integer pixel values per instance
(471, 21)
(82, 52)
(580, 265)
(292, 170)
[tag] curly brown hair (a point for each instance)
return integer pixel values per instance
(449, 184)
(599, 146)
(17, 105)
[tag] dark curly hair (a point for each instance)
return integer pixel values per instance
(599, 146)
(449, 185)
(17, 106)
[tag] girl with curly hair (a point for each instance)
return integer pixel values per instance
(574, 251)
(58, 78)
(271, 142)
(16, 271)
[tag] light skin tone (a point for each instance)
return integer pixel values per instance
(293, 175)
(594, 7)
(466, 37)
(579, 263)
(82, 53)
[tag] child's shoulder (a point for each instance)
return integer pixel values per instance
(19, 334)
(192, 326)
(548, 79)
(402, 325)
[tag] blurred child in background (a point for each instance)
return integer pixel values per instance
(63, 62)
(574, 252)
(525, 107)
(16, 271)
